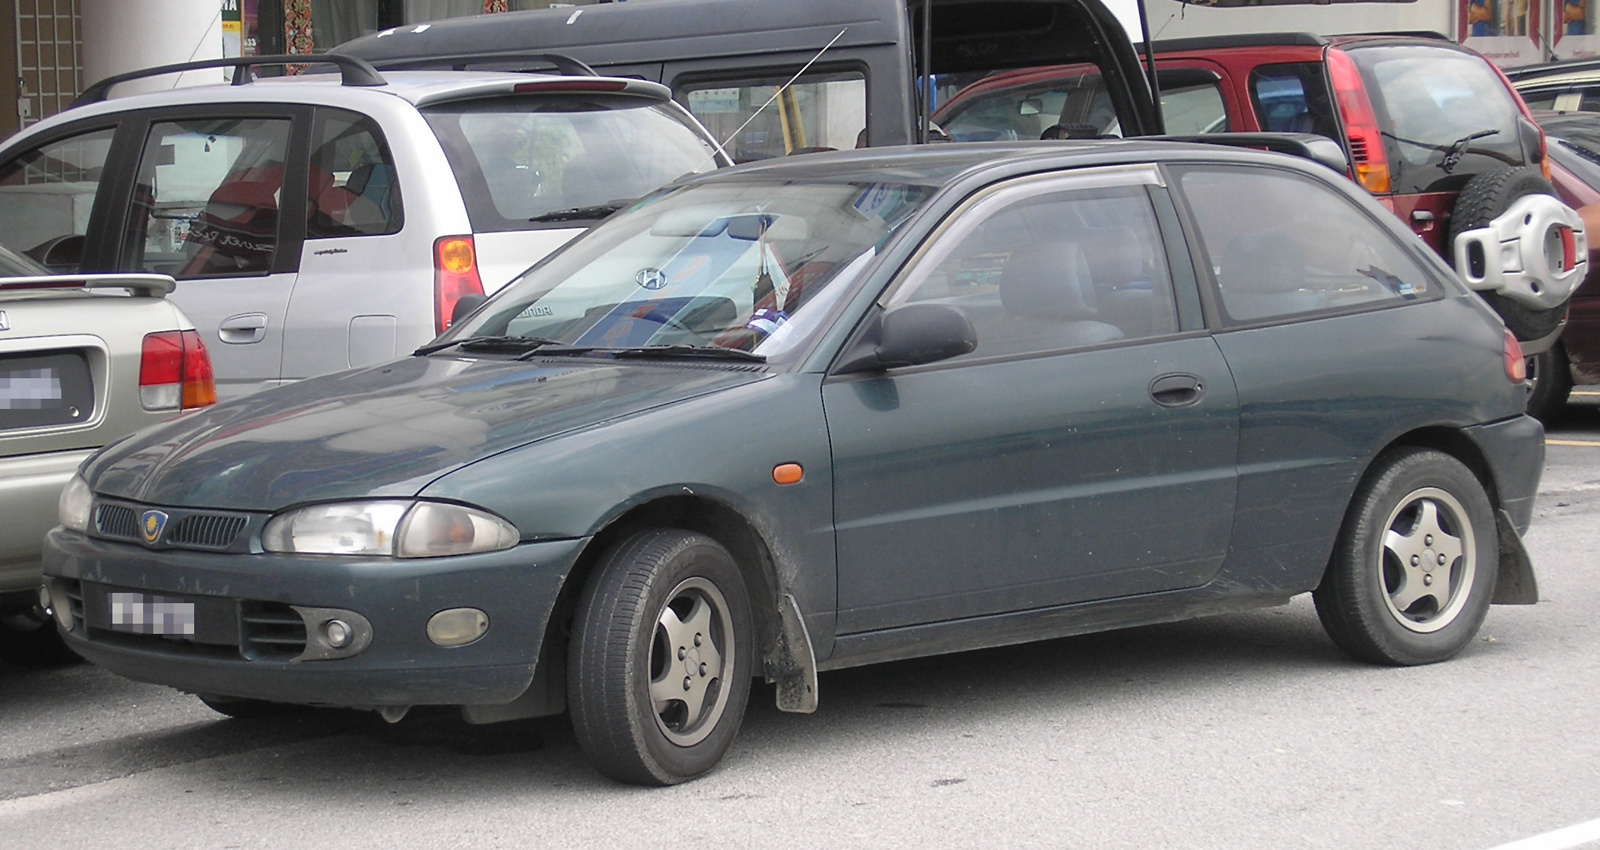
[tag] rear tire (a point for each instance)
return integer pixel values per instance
(660, 658)
(1550, 380)
(1482, 200)
(1415, 564)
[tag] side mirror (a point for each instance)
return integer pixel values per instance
(465, 306)
(910, 336)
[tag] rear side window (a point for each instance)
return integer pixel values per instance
(1293, 98)
(529, 162)
(818, 112)
(352, 189)
(206, 200)
(1281, 244)
(1072, 102)
(46, 195)
(1445, 115)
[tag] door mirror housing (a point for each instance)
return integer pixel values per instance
(465, 306)
(910, 335)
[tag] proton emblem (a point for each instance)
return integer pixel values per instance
(651, 279)
(5, 323)
(151, 524)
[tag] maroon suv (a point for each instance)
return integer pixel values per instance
(1430, 128)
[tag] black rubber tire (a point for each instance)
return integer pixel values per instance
(246, 709)
(1355, 600)
(1551, 384)
(1483, 199)
(28, 638)
(618, 635)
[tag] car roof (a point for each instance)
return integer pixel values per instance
(1246, 41)
(419, 88)
(1550, 73)
(948, 163)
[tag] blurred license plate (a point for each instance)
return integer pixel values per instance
(148, 614)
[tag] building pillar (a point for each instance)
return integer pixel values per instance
(126, 35)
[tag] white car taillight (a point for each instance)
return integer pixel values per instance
(455, 273)
(175, 372)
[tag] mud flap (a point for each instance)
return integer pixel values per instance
(791, 665)
(1517, 585)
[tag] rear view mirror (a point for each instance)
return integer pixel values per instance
(1031, 106)
(701, 221)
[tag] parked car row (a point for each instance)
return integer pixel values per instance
(801, 413)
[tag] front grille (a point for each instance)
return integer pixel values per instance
(271, 631)
(206, 531)
(186, 528)
(118, 521)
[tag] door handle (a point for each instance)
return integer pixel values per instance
(243, 329)
(1177, 390)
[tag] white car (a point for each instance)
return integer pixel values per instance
(84, 361)
(326, 221)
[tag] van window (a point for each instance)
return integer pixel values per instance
(46, 195)
(353, 190)
(1066, 102)
(522, 163)
(819, 112)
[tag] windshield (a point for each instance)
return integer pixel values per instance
(522, 162)
(720, 267)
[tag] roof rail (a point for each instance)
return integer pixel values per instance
(564, 64)
(1310, 146)
(352, 71)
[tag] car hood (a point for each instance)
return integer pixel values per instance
(384, 431)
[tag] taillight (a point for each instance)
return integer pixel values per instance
(455, 273)
(1360, 123)
(1516, 364)
(175, 372)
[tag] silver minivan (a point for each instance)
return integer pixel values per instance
(326, 221)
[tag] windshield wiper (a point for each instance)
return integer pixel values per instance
(709, 352)
(581, 213)
(1458, 148)
(490, 343)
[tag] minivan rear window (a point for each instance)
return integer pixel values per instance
(524, 162)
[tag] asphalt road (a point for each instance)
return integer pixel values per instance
(1246, 731)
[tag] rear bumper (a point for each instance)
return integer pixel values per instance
(516, 588)
(30, 485)
(1514, 449)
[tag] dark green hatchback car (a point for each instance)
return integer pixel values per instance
(830, 411)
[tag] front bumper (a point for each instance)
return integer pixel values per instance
(516, 588)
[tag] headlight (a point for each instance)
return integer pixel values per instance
(75, 503)
(401, 529)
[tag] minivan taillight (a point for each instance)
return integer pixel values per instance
(1516, 364)
(175, 372)
(455, 273)
(1361, 132)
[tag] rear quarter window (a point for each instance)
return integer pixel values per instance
(519, 158)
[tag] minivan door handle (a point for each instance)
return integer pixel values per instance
(243, 329)
(1177, 390)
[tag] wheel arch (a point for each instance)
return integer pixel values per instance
(786, 652)
(1515, 582)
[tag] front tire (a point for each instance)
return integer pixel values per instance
(1415, 564)
(240, 708)
(660, 658)
(28, 638)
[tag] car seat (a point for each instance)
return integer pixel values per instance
(1049, 293)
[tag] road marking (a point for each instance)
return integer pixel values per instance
(1595, 443)
(1561, 839)
(1586, 392)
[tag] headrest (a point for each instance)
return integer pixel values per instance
(1262, 262)
(1050, 280)
(1116, 255)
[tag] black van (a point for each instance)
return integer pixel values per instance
(855, 64)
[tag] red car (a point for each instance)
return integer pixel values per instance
(1432, 129)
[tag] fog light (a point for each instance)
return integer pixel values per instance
(337, 633)
(457, 626)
